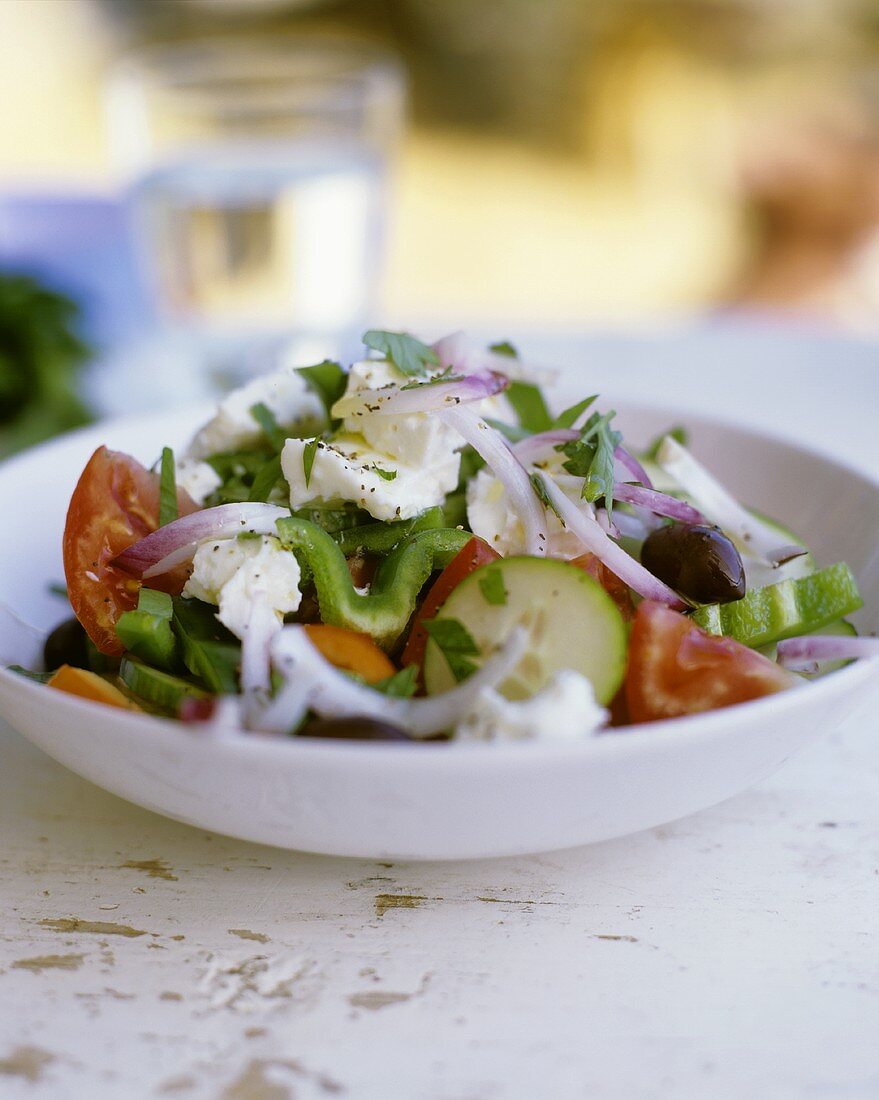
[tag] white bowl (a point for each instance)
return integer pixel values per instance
(434, 801)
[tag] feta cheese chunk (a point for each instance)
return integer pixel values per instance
(565, 710)
(199, 479)
(285, 394)
(415, 438)
(234, 573)
(492, 518)
(347, 471)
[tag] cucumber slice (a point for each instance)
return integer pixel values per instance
(841, 628)
(800, 606)
(159, 688)
(572, 621)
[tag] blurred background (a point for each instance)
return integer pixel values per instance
(218, 185)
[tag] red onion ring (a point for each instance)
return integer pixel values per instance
(614, 557)
(659, 503)
(628, 461)
(176, 542)
(422, 397)
(795, 652)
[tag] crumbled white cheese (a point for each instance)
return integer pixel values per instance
(492, 518)
(233, 573)
(346, 470)
(199, 479)
(565, 710)
(285, 394)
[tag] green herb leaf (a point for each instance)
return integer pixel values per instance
(512, 431)
(385, 475)
(401, 685)
(56, 588)
(267, 477)
(155, 603)
(327, 380)
(407, 353)
(168, 510)
(445, 376)
(456, 645)
(504, 347)
(539, 488)
(592, 456)
(39, 677)
(308, 453)
(678, 433)
(264, 416)
(570, 416)
(209, 651)
(491, 585)
(530, 406)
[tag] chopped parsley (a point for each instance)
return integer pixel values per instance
(308, 453)
(443, 376)
(407, 353)
(327, 380)
(537, 484)
(491, 585)
(591, 457)
(385, 475)
(569, 417)
(168, 509)
(264, 416)
(401, 685)
(504, 347)
(456, 645)
(529, 405)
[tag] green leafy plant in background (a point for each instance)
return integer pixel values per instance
(40, 360)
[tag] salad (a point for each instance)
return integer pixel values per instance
(418, 548)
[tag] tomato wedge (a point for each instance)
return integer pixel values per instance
(618, 590)
(477, 552)
(351, 651)
(675, 668)
(115, 503)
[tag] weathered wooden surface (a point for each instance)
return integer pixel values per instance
(734, 953)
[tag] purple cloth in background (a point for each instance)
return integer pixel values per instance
(80, 245)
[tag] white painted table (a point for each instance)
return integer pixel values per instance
(733, 954)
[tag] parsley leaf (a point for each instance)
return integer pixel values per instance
(511, 431)
(267, 477)
(491, 585)
(570, 416)
(401, 685)
(327, 380)
(504, 347)
(308, 453)
(530, 406)
(168, 509)
(385, 475)
(445, 376)
(264, 416)
(678, 433)
(539, 488)
(456, 645)
(407, 353)
(591, 457)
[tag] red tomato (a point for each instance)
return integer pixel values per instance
(675, 668)
(115, 503)
(618, 590)
(475, 553)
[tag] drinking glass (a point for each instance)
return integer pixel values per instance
(257, 178)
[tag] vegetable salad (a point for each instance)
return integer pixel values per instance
(420, 548)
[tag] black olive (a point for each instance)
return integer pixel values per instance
(66, 646)
(354, 729)
(699, 562)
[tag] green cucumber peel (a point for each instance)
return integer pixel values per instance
(386, 609)
(159, 689)
(802, 605)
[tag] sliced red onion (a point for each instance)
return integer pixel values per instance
(176, 542)
(506, 467)
(606, 525)
(421, 397)
(805, 651)
(751, 535)
(628, 461)
(631, 527)
(461, 355)
(659, 503)
(312, 683)
(614, 557)
(534, 447)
